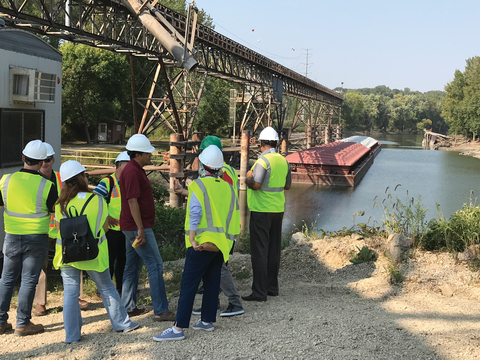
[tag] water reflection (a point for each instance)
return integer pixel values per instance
(441, 177)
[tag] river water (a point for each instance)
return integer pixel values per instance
(442, 177)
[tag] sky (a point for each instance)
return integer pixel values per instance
(400, 44)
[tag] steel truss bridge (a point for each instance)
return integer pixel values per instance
(125, 26)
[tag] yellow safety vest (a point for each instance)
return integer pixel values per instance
(96, 212)
(220, 220)
(233, 174)
(270, 198)
(115, 205)
(52, 230)
(25, 200)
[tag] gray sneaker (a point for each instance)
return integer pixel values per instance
(233, 310)
(199, 310)
(169, 335)
(201, 326)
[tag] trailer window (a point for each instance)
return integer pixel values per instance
(17, 128)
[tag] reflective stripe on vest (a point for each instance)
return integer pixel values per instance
(53, 231)
(97, 228)
(209, 217)
(115, 204)
(38, 201)
(266, 181)
(59, 182)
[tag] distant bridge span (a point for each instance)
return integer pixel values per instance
(115, 26)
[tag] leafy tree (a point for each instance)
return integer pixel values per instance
(453, 104)
(353, 111)
(213, 111)
(370, 103)
(95, 88)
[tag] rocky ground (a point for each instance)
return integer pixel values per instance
(327, 309)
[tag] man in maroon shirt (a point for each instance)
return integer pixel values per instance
(136, 222)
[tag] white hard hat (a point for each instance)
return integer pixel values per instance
(69, 169)
(36, 150)
(50, 151)
(122, 157)
(268, 134)
(212, 157)
(140, 143)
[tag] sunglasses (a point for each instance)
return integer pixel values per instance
(48, 159)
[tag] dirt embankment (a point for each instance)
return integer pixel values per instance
(464, 147)
(327, 309)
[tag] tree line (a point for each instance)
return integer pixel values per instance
(385, 109)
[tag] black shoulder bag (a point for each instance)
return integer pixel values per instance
(78, 242)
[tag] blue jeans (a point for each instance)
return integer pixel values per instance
(198, 265)
(72, 317)
(149, 254)
(23, 254)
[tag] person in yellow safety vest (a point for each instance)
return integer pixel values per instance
(109, 188)
(75, 194)
(266, 181)
(227, 285)
(29, 200)
(40, 298)
(210, 226)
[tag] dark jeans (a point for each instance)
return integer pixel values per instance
(198, 265)
(265, 247)
(23, 255)
(116, 256)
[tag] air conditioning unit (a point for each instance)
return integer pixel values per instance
(22, 85)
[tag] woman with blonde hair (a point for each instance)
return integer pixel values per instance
(73, 197)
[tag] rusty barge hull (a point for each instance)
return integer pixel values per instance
(342, 163)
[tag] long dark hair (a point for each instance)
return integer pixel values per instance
(73, 186)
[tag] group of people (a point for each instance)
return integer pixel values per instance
(121, 215)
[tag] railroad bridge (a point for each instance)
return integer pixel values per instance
(193, 52)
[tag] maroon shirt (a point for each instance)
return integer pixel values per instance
(135, 184)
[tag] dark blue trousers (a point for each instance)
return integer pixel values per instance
(198, 265)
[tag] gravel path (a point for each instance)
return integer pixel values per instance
(327, 309)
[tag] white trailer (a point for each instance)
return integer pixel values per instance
(30, 98)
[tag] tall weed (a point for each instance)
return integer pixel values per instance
(456, 233)
(404, 217)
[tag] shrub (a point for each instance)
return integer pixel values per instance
(455, 234)
(169, 227)
(364, 255)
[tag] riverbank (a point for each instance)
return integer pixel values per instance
(464, 147)
(327, 309)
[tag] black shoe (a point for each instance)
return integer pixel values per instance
(252, 297)
(233, 310)
(272, 293)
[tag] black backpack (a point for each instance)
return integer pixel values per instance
(78, 242)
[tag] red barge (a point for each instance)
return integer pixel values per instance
(342, 162)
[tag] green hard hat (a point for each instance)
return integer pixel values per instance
(211, 140)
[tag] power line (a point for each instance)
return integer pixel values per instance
(251, 45)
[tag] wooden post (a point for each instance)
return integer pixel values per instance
(176, 167)
(245, 148)
(242, 199)
(197, 136)
(339, 131)
(308, 134)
